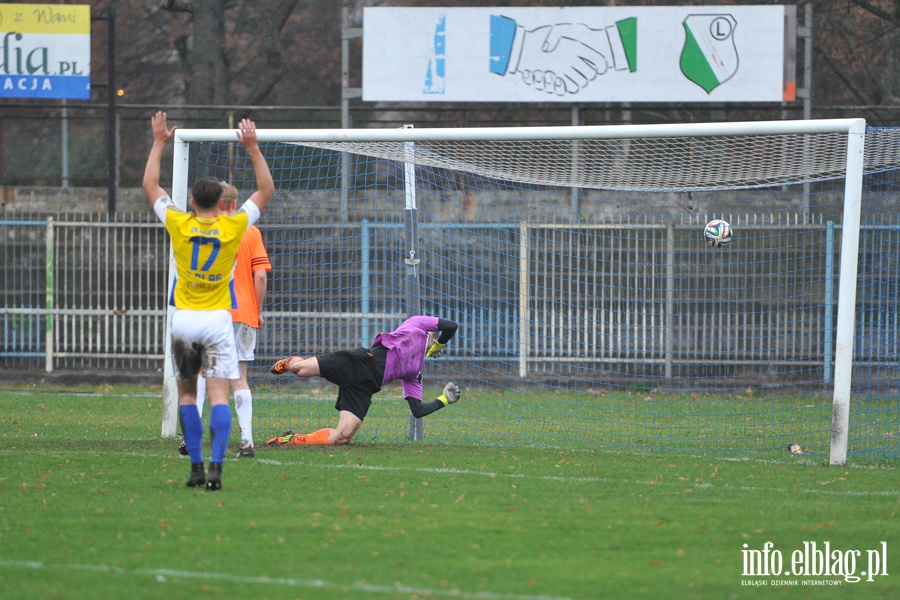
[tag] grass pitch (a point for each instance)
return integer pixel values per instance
(93, 505)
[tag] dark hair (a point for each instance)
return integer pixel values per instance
(206, 192)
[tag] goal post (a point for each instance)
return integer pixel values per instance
(843, 363)
(180, 188)
(571, 257)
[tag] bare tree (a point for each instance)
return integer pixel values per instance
(216, 39)
(288, 53)
(857, 53)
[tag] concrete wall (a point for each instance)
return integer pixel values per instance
(452, 205)
(463, 205)
(18, 201)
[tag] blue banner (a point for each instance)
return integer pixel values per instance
(45, 86)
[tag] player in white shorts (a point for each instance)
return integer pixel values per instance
(210, 330)
(204, 246)
(250, 284)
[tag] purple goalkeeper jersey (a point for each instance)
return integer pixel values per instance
(406, 353)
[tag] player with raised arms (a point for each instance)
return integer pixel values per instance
(250, 285)
(205, 246)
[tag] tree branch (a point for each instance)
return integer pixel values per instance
(178, 5)
(867, 6)
(273, 53)
(836, 68)
(282, 13)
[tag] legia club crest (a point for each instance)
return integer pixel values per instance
(709, 57)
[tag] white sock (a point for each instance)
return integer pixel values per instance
(201, 393)
(243, 406)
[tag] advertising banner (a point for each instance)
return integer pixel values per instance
(579, 54)
(45, 51)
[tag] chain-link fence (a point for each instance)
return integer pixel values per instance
(67, 144)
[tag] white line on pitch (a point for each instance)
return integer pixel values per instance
(702, 485)
(162, 576)
(450, 471)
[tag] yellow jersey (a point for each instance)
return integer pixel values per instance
(205, 251)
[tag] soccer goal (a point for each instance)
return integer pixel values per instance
(592, 313)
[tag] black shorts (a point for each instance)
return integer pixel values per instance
(357, 373)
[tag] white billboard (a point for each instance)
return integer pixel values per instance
(45, 51)
(579, 54)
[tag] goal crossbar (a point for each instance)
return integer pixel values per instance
(736, 128)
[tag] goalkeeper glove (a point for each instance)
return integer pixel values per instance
(450, 395)
(435, 350)
(280, 440)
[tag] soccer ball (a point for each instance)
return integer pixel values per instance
(717, 233)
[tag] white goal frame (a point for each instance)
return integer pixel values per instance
(855, 130)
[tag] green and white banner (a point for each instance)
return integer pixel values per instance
(579, 54)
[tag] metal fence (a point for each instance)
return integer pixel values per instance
(84, 293)
(91, 294)
(65, 144)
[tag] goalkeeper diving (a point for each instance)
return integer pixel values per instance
(362, 372)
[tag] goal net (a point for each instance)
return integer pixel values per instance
(592, 313)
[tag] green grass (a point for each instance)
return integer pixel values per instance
(93, 505)
(738, 424)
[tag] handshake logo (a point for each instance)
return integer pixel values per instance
(563, 58)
